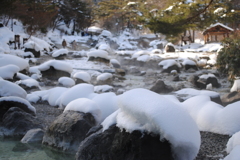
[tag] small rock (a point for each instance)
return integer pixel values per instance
(33, 135)
(161, 87)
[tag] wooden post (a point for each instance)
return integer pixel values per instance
(17, 40)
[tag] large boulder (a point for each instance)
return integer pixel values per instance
(68, 130)
(121, 145)
(16, 122)
(161, 87)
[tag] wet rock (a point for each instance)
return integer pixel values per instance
(17, 122)
(161, 87)
(61, 57)
(33, 135)
(202, 83)
(68, 130)
(54, 74)
(230, 98)
(193, 67)
(118, 145)
(169, 48)
(120, 71)
(34, 52)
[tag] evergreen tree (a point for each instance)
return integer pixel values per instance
(76, 12)
(199, 14)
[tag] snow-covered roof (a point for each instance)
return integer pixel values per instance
(94, 29)
(218, 24)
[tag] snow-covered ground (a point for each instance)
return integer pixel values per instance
(129, 103)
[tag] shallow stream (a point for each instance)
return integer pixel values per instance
(13, 149)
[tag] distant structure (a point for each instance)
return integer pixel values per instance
(216, 32)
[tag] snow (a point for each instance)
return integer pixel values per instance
(206, 76)
(168, 63)
(20, 100)
(233, 147)
(86, 106)
(157, 51)
(106, 33)
(11, 89)
(191, 92)
(5, 36)
(219, 24)
(102, 88)
(236, 85)
(8, 71)
(82, 90)
(140, 53)
(51, 95)
(40, 43)
(104, 76)
(66, 81)
(143, 110)
(105, 47)
(32, 45)
(98, 53)
(107, 103)
(114, 61)
(155, 43)
(234, 155)
(29, 83)
(22, 76)
(188, 62)
(56, 64)
(84, 76)
(143, 58)
(95, 29)
(212, 117)
(233, 142)
(60, 52)
(6, 59)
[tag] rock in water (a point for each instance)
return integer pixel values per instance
(161, 87)
(121, 145)
(17, 122)
(68, 130)
(33, 135)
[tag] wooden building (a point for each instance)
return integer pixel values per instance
(216, 33)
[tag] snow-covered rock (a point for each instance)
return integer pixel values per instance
(143, 110)
(6, 59)
(8, 71)
(212, 117)
(60, 52)
(82, 77)
(11, 89)
(66, 81)
(85, 105)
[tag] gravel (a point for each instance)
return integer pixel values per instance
(46, 114)
(213, 146)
